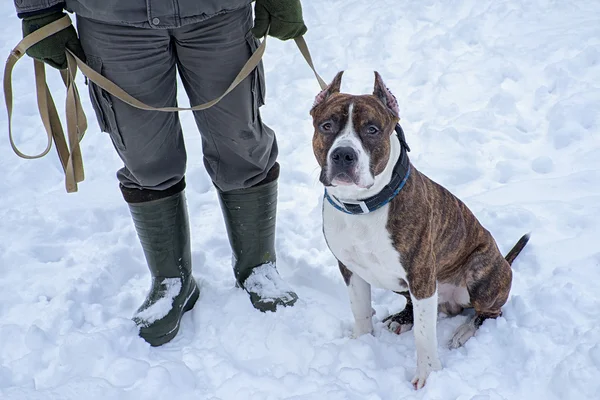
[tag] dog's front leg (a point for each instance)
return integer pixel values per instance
(425, 321)
(359, 292)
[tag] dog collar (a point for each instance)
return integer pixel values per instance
(399, 177)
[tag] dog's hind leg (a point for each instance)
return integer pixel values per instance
(403, 321)
(488, 284)
(466, 331)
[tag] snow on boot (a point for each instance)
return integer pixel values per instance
(161, 222)
(267, 289)
(250, 217)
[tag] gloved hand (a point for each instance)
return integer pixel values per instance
(283, 16)
(52, 49)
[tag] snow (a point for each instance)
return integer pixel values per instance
(160, 308)
(267, 283)
(499, 102)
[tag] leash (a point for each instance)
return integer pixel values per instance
(69, 151)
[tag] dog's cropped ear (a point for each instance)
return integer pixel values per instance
(334, 87)
(383, 93)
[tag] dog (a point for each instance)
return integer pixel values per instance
(392, 227)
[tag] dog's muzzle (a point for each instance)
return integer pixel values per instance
(343, 163)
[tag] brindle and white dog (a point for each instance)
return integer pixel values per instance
(392, 227)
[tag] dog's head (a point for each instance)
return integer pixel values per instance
(352, 134)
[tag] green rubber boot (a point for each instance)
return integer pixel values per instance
(250, 216)
(161, 222)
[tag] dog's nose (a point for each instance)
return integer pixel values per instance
(344, 156)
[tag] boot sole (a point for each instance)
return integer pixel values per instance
(189, 304)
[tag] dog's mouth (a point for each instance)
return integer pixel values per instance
(343, 178)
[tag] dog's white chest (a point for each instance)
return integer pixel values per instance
(363, 243)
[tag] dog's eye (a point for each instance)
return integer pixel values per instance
(372, 130)
(327, 126)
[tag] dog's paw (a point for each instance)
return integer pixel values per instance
(356, 335)
(423, 371)
(463, 333)
(397, 328)
(400, 322)
(362, 328)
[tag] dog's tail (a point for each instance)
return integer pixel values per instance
(514, 252)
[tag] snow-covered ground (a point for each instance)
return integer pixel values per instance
(500, 101)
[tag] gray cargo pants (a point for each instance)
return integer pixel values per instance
(238, 148)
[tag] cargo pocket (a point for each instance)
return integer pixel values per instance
(258, 78)
(103, 106)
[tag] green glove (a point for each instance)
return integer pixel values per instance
(52, 49)
(283, 16)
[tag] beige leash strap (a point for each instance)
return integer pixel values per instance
(70, 156)
(41, 87)
(303, 47)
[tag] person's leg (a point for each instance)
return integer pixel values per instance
(239, 150)
(142, 62)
